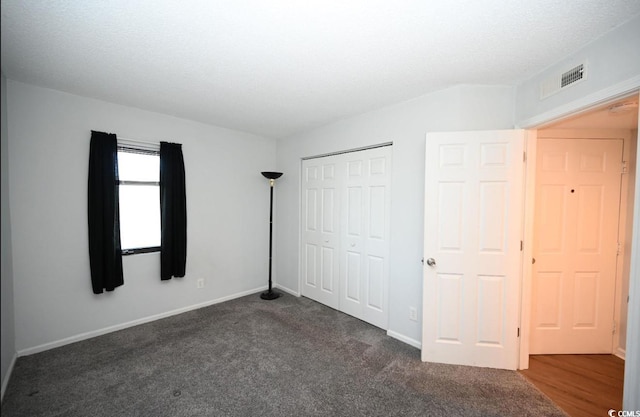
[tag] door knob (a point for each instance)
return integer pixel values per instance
(431, 262)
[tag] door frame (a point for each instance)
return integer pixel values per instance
(587, 103)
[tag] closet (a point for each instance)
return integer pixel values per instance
(345, 232)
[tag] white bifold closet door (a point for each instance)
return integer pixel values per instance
(345, 232)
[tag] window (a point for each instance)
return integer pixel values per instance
(139, 189)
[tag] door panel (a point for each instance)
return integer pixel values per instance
(376, 282)
(320, 233)
(490, 312)
(366, 237)
(473, 230)
(449, 308)
(491, 222)
(575, 245)
(352, 277)
(310, 256)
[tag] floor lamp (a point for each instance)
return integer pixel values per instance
(272, 176)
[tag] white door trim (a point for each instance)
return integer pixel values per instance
(529, 208)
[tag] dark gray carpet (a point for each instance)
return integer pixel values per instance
(249, 357)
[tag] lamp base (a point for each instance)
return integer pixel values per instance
(270, 295)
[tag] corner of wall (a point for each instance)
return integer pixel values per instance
(7, 300)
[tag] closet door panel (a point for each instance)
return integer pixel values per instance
(320, 231)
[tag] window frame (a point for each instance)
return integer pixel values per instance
(146, 150)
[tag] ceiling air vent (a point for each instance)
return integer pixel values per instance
(553, 84)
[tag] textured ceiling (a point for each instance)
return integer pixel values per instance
(277, 67)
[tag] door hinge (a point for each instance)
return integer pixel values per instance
(524, 157)
(518, 332)
(521, 246)
(624, 167)
(619, 249)
(613, 331)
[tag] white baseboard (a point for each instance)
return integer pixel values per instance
(404, 339)
(621, 353)
(110, 329)
(288, 290)
(5, 380)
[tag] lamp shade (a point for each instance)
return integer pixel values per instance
(272, 175)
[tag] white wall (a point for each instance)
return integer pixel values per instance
(613, 67)
(227, 200)
(405, 124)
(7, 306)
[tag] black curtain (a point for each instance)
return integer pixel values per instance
(105, 255)
(173, 212)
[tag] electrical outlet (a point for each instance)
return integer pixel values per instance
(200, 283)
(413, 314)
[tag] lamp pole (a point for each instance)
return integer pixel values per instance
(272, 176)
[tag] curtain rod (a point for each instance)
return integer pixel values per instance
(136, 143)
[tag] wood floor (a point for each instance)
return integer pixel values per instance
(582, 385)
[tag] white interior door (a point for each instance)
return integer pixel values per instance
(575, 245)
(345, 232)
(473, 234)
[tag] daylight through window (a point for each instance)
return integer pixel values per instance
(139, 174)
